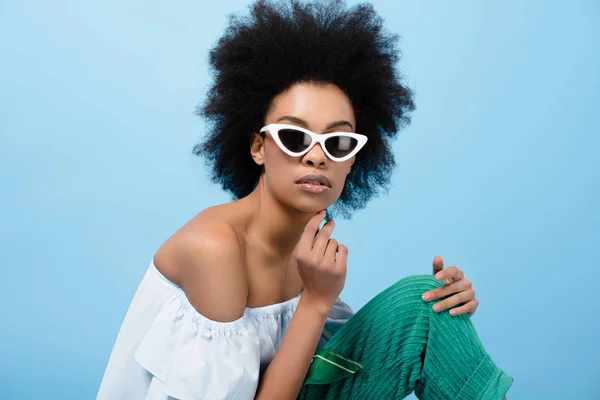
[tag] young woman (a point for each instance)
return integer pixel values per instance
(242, 302)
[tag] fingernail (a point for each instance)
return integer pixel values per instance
(426, 296)
(437, 307)
(452, 312)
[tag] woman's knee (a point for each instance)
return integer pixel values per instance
(405, 295)
(413, 287)
(425, 282)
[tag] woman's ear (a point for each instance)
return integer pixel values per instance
(257, 148)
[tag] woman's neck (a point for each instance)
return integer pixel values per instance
(273, 225)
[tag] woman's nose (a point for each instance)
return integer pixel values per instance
(316, 156)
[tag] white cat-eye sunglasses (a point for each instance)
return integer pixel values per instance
(295, 141)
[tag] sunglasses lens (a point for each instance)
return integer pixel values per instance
(294, 140)
(340, 146)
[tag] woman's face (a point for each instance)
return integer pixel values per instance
(320, 109)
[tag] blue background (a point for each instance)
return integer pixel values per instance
(498, 174)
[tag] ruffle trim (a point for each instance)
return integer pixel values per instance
(272, 310)
(195, 357)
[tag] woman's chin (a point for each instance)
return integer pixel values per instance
(312, 207)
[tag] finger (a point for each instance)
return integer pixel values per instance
(438, 264)
(459, 274)
(475, 305)
(460, 298)
(320, 242)
(446, 275)
(310, 230)
(342, 255)
(447, 290)
(330, 251)
(449, 275)
(468, 308)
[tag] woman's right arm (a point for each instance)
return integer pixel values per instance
(322, 267)
(285, 374)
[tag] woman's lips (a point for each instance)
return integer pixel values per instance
(314, 179)
(312, 188)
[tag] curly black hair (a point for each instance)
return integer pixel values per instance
(287, 42)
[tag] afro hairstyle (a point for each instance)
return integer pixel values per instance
(282, 43)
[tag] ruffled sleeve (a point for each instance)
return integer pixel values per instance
(197, 358)
(339, 315)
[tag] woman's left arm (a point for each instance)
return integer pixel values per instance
(458, 290)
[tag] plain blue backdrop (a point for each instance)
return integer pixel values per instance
(498, 174)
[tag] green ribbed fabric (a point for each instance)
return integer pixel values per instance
(403, 346)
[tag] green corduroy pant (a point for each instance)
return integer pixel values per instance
(397, 344)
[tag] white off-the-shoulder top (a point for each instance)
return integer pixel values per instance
(165, 349)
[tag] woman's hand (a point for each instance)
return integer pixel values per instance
(461, 296)
(321, 263)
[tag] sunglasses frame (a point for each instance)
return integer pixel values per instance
(315, 138)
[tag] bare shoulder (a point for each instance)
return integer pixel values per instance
(206, 260)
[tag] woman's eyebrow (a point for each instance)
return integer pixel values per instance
(339, 123)
(295, 120)
(302, 122)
